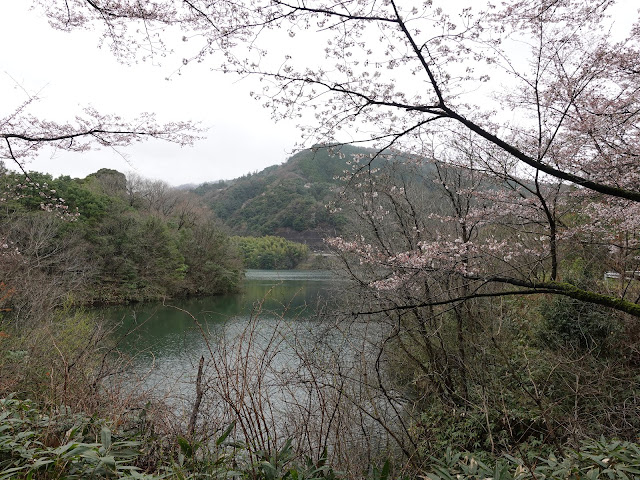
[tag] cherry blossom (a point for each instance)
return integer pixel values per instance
(541, 97)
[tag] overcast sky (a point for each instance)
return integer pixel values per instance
(68, 72)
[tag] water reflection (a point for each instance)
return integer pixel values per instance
(284, 372)
(165, 341)
(174, 327)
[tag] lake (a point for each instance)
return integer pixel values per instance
(165, 341)
(277, 362)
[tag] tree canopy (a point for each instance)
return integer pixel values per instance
(96, 247)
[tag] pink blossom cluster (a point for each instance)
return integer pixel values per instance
(8, 248)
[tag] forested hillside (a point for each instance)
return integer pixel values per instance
(108, 239)
(288, 200)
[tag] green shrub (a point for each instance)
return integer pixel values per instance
(66, 445)
(567, 322)
(594, 460)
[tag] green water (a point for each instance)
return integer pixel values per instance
(165, 341)
(179, 324)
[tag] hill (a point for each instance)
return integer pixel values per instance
(107, 239)
(287, 200)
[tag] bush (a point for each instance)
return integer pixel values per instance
(66, 445)
(578, 325)
(594, 460)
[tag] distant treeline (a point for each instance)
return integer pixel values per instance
(270, 253)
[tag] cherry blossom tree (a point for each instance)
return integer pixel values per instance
(548, 90)
(23, 135)
(428, 240)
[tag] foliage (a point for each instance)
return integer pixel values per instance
(106, 249)
(62, 444)
(579, 325)
(60, 359)
(291, 197)
(599, 459)
(203, 247)
(270, 253)
(478, 378)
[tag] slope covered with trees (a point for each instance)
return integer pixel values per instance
(288, 200)
(106, 238)
(271, 253)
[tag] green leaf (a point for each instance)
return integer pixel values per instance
(62, 449)
(185, 446)
(225, 434)
(109, 461)
(105, 437)
(384, 475)
(8, 474)
(41, 462)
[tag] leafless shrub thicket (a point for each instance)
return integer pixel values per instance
(317, 382)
